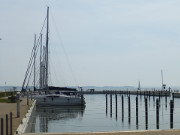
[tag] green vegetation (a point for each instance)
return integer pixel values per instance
(2, 100)
(10, 98)
(9, 93)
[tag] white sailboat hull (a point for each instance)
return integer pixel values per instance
(59, 100)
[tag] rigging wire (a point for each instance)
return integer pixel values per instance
(31, 58)
(54, 73)
(61, 76)
(35, 50)
(62, 45)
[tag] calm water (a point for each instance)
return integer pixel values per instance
(93, 117)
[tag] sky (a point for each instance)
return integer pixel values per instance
(94, 42)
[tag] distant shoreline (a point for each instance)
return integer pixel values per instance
(99, 88)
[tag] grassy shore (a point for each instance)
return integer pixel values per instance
(8, 97)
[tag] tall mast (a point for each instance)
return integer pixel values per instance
(47, 41)
(40, 64)
(34, 62)
(44, 68)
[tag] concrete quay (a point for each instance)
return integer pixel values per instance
(139, 132)
(6, 108)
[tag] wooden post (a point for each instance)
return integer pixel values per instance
(27, 98)
(116, 105)
(18, 105)
(157, 113)
(6, 124)
(166, 99)
(11, 123)
(106, 104)
(137, 112)
(146, 113)
(171, 113)
(122, 108)
(2, 127)
(111, 105)
(31, 95)
(129, 110)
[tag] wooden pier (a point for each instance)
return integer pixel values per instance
(135, 92)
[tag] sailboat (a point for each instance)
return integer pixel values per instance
(49, 95)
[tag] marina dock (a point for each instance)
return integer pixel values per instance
(137, 92)
(145, 132)
(6, 108)
(11, 107)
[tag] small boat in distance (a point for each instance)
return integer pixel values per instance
(45, 94)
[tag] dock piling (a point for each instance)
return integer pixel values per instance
(31, 95)
(18, 105)
(122, 108)
(27, 98)
(116, 104)
(6, 124)
(11, 123)
(111, 105)
(106, 104)
(137, 112)
(2, 127)
(146, 113)
(157, 113)
(129, 110)
(171, 113)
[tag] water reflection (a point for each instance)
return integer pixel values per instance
(46, 115)
(139, 113)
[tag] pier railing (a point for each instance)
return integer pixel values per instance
(6, 124)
